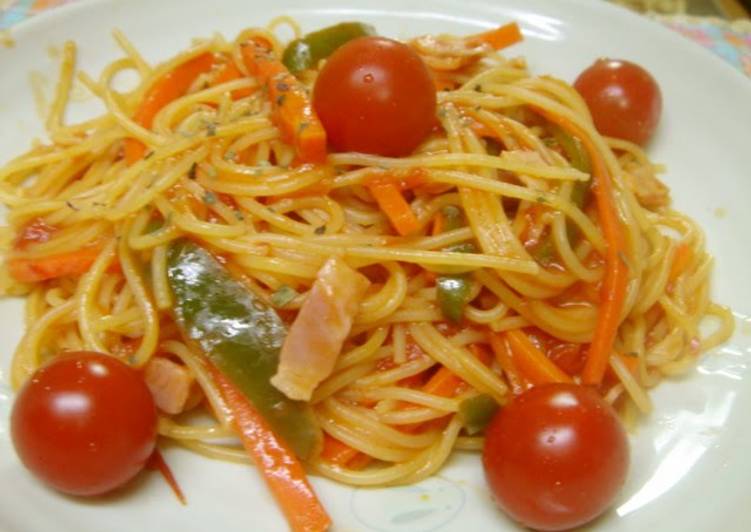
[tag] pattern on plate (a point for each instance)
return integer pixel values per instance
(422, 507)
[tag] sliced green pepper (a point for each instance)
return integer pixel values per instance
(579, 159)
(544, 252)
(305, 53)
(572, 147)
(241, 336)
(452, 218)
(476, 412)
(453, 295)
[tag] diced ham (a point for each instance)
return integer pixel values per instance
(170, 383)
(649, 190)
(316, 336)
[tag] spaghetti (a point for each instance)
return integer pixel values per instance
(92, 215)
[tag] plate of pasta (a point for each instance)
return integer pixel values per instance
(325, 266)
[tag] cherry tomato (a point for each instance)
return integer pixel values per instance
(375, 95)
(624, 99)
(85, 423)
(556, 456)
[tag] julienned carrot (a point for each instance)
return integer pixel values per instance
(499, 38)
(681, 260)
(34, 270)
(503, 355)
(337, 452)
(229, 72)
(157, 462)
(481, 129)
(292, 109)
(447, 384)
(631, 362)
(615, 279)
(166, 89)
(394, 206)
(531, 362)
(438, 223)
(281, 469)
(443, 383)
(405, 179)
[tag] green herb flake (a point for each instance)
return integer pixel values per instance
(209, 198)
(230, 155)
(283, 295)
(541, 199)
(320, 230)
(210, 129)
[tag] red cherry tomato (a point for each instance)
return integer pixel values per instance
(375, 95)
(624, 99)
(556, 456)
(84, 423)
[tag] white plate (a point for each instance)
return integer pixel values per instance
(691, 461)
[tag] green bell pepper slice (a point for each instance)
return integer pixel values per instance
(241, 335)
(305, 53)
(544, 252)
(476, 412)
(453, 293)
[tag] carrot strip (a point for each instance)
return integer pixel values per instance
(498, 38)
(394, 206)
(532, 362)
(39, 269)
(681, 260)
(443, 383)
(292, 109)
(481, 353)
(336, 451)
(631, 362)
(359, 461)
(229, 72)
(157, 462)
(281, 469)
(442, 83)
(411, 179)
(615, 280)
(169, 87)
(502, 353)
(438, 223)
(481, 129)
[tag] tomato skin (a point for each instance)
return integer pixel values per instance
(85, 423)
(556, 457)
(624, 99)
(375, 95)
